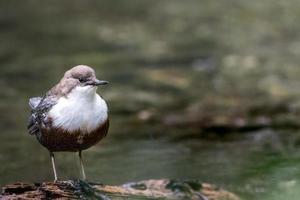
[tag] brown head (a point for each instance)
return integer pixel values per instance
(81, 75)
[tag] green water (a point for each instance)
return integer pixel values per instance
(185, 77)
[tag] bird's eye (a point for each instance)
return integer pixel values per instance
(81, 80)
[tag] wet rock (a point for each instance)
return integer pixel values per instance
(148, 189)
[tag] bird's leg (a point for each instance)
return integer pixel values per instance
(53, 166)
(81, 166)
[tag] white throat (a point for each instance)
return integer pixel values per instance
(82, 109)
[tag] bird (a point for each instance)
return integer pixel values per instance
(71, 116)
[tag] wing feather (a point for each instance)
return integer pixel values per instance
(39, 110)
(34, 102)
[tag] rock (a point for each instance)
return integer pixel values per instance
(149, 189)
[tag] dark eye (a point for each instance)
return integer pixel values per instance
(81, 80)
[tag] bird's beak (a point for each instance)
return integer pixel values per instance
(99, 82)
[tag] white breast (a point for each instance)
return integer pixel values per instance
(83, 109)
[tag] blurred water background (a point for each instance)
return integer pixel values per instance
(204, 90)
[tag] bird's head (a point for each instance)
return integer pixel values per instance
(81, 78)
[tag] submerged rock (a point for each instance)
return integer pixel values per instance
(148, 189)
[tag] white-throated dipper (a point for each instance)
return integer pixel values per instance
(71, 116)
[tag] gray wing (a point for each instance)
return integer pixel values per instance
(39, 110)
(34, 102)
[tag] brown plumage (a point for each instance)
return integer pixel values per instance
(57, 139)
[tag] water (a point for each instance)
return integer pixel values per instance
(262, 164)
(175, 70)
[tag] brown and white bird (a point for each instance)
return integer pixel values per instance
(71, 116)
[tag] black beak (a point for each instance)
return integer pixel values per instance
(99, 82)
